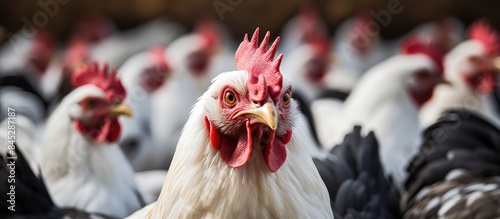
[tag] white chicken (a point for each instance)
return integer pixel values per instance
(80, 161)
(471, 67)
(387, 99)
(307, 66)
(238, 156)
(358, 47)
(302, 28)
(142, 75)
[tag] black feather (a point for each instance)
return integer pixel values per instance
(305, 108)
(333, 94)
(20, 81)
(355, 179)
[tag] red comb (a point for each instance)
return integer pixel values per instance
(484, 33)
(92, 27)
(358, 36)
(43, 43)
(102, 78)
(310, 24)
(158, 57)
(41, 50)
(363, 17)
(78, 52)
(308, 18)
(263, 70)
(415, 45)
(321, 45)
(208, 30)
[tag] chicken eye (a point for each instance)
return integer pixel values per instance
(286, 98)
(422, 74)
(474, 59)
(91, 104)
(229, 97)
(115, 102)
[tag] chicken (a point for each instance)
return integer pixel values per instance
(355, 179)
(93, 27)
(471, 68)
(33, 53)
(386, 100)
(308, 65)
(456, 172)
(142, 75)
(83, 166)
(191, 59)
(302, 28)
(32, 199)
(357, 48)
(238, 156)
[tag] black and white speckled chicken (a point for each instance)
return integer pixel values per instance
(456, 174)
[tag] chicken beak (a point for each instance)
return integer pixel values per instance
(266, 114)
(496, 64)
(330, 60)
(119, 110)
(444, 81)
(215, 51)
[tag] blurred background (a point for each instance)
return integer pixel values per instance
(243, 16)
(374, 63)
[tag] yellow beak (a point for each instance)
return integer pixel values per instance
(119, 110)
(496, 64)
(266, 114)
(444, 81)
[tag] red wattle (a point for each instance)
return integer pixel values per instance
(236, 151)
(114, 131)
(107, 129)
(275, 153)
(100, 133)
(213, 134)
